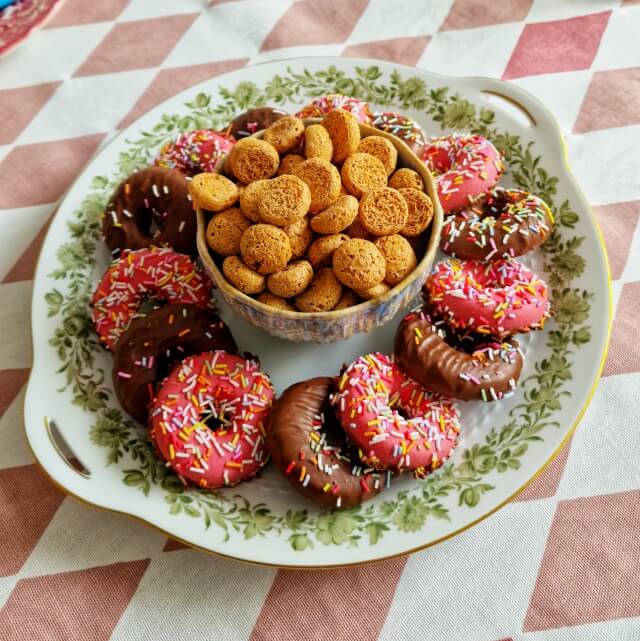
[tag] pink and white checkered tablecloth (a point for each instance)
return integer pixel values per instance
(561, 562)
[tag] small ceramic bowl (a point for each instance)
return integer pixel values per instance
(328, 327)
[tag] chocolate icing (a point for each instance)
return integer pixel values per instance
(423, 350)
(154, 342)
(293, 418)
(483, 232)
(155, 195)
(257, 119)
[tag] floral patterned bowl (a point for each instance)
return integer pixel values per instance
(328, 327)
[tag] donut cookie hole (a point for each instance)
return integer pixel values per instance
(321, 250)
(382, 149)
(288, 162)
(225, 231)
(253, 159)
(400, 259)
(383, 211)
(292, 280)
(213, 192)
(344, 132)
(285, 134)
(362, 173)
(265, 248)
(300, 237)
(420, 211)
(275, 301)
(322, 295)
(323, 180)
(336, 217)
(317, 143)
(359, 264)
(406, 178)
(250, 199)
(242, 277)
(284, 200)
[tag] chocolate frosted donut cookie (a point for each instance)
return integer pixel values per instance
(154, 342)
(247, 123)
(155, 196)
(309, 447)
(461, 366)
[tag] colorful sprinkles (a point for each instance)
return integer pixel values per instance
(195, 152)
(322, 105)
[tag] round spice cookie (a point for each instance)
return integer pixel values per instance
(195, 151)
(265, 248)
(406, 178)
(399, 257)
(420, 211)
(322, 105)
(321, 250)
(344, 132)
(284, 200)
(322, 295)
(300, 237)
(225, 230)
(323, 180)
(356, 230)
(253, 120)
(275, 301)
(362, 172)
(213, 192)
(358, 264)
(403, 127)
(317, 143)
(348, 299)
(288, 162)
(253, 159)
(242, 277)
(292, 280)
(336, 217)
(382, 149)
(383, 211)
(285, 134)
(374, 292)
(250, 198)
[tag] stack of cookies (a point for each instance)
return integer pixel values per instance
(316, 218)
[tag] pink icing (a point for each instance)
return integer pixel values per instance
(195, 152)
(318, 107)
(213, 386)
(499, 297)
(465, 166)
(394, 421)
(144, 273)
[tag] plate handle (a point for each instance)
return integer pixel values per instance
(63, 449)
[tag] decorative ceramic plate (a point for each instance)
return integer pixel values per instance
(503, 445)
(18, 20)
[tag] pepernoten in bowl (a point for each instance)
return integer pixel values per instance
(328, 327)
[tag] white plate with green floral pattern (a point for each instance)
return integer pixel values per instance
(502, 446)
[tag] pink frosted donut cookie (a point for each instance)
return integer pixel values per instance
(318, 107)
(504, 223)
(145, 273)
(394, 422)
(465, 166)
(195, 152)
(207, 420)
(402, 127)
(501, 297)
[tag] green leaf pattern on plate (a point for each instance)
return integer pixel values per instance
(410, 510)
